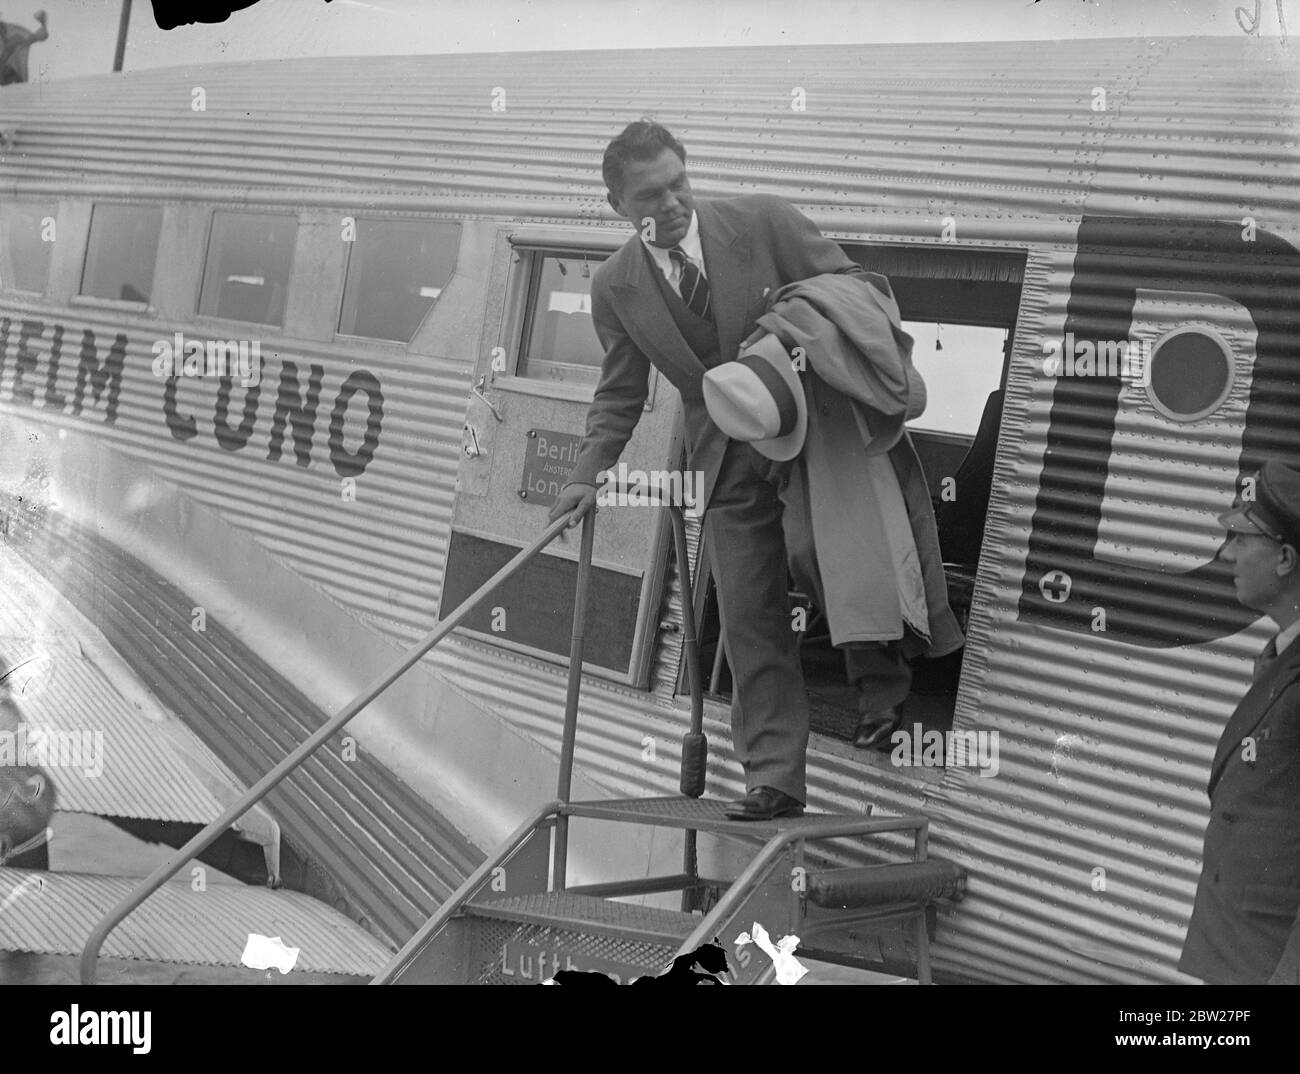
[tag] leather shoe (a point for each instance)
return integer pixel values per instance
(876, 727)
(764, 803)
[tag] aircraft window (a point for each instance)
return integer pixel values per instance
(246, 277)
(121, 252)
(1190, 375)
(24, 255)
(396, 271)
(960, 364)
(559, 340)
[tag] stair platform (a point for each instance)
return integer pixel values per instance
(699, 814)
(586, 913)
(527, 939)
(540, 928)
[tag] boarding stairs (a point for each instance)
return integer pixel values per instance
(516, 919)
(514, 922)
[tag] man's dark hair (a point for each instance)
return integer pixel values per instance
(640, 141)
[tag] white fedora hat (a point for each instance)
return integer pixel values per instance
(759, 399)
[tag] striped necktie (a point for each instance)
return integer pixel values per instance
(1267, 657)
(692, 285)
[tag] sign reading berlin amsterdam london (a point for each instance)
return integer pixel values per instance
(548, 458)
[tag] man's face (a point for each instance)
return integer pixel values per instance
(1258, 569)
(656, 190)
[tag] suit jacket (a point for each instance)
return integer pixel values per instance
(1244, 918)
(752, 245)
(872, 532)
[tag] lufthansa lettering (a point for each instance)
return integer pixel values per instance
(525, 962)
(295, 413)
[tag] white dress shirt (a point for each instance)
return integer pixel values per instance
(690, 245)
(1286, 637)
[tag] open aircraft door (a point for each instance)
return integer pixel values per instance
(532, 384)
(1139, 465)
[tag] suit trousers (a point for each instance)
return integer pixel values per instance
(878, 670)
(769, 708)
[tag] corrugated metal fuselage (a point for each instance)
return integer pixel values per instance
(1151, 187)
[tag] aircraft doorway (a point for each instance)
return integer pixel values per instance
(960, 307)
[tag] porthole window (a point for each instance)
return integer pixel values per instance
(1190, 374)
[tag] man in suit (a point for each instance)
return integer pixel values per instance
(1244, 926)
(682, 295)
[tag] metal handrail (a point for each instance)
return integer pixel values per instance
(461, 895)
(573, 689)
(693, 746)
(210, 834)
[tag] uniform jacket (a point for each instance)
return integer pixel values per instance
(752, 246)
(866, 502)
(1244, 918)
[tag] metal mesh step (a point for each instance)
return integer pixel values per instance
(565, 909)
(700, 814)
(526, 939)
